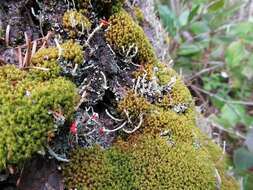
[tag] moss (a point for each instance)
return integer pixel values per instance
(95, 169)
(24, 118)
(47, 59)
(72, 52)
(138, 14)
(148, 164)
(133, 104)
(45, 64)
(75, 22)
(180, 127)
(220, 161)
(180, 94)
(169, 167)
(105, 8)
(124, 32)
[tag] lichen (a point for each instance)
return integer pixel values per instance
(179, 94)
(24, 116)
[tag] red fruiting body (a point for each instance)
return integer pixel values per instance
(73, 128)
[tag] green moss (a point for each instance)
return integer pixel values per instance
(167, 167)
(138, 14)
(220, 161)
(124, 32)
(180, 94)
(105, 8)
(133, 104)
(24, 118)
(147, 164)
(75, 22)
(180, 126)
(72, 52)
(46, 59)
(95, 169)
(45, 64)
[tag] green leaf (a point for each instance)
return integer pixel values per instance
(189, 49)
(233, 114)
(169, 19)
(242, 29)
(247, 71)
(216, 6)
(193, 12)
(248, 182)
(235, 53)
(243, 160)
(199, 27)
(249, 140)
(183, 18)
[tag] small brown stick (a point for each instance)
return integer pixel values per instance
(2, 62)
(206, 70)
(40, 68)
(34, 47)
(20, 58)
(222, 99)
(7, 35)
(43, 40)
(28, 54)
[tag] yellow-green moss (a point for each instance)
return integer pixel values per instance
(160, 166)
(123, 32)
(133, 104)
(24, 118)
(46, 59)
(180, 94)
(45, 64)
(75, 22)
(96, 169)
(147, 164)
(72, 52)
(220, 161)
(179, 126)
(138, 14)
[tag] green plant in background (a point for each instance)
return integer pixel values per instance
(213, 38)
